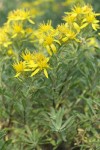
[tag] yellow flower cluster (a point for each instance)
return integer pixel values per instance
(76, 21)
(32, 62)
(15, 26)
(46, 36)
(81, 17)
(19, 30)
(20, 15)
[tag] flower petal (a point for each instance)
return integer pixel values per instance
(46, 73)
(35, 72)
(49, 51)
(53, 47)
(17, 75)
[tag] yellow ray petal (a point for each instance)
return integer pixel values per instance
(32, 22)
(49, 51)
(53, 47)
(76, 26)
(46, 73)
(35, 72)
(84, 25)
(17, 75)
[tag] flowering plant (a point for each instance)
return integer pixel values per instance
(50, 81)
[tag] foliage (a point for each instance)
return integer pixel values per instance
(49, 80)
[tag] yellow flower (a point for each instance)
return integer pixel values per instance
(62, 29)
(45, 27)
(30, 34)
(15, 29)
(4, 39)
(10, 52)
(27, 56)
(20, 14)
(47, 38)
(91, 19)
(70, 18)
(49, 44)
(77, 10)
(39, 63)
(67, 32)
(80, 17)
(70, 35)
(46, 35)
(29, 30)
(19, 68)
(93, 42)
(87, 9)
